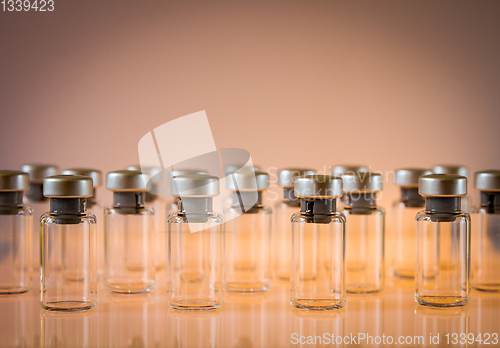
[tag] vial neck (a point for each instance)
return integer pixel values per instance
(35, 192)
(10, 200)
(128, 199)
(442, 204)
(490, 201)
(68, 206)
(361, 202)
(411, 198)
(247, 198)
(289, 197)
(195, 205)
(317, 206)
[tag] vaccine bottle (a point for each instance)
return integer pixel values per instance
(247, 235)
(195, 244)
(443, 242)
(365, 233)
(404, 211)
(318, 274)
(457, 170)
(282, 236)
(38, 203)
(95, 207)
(486, 233)
(129, 233)
(16, 234)
(68, 237)
(339, 170)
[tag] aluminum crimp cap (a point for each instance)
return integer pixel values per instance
(233, 168)
(151, 172)
(318, 186)
(408, 177)
(451, 169)
(348, 169)
(38, 172)
(286, 176)
(487, 180)
(179, 172)
(362, 182)
(195, 185)
(247, 181)
(127, 181)
(442, 185)
(68, 186)
(95, 174)
(14, 180)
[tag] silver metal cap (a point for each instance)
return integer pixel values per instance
(13, 180)
(362, 182)
(95, 174)
(286, 176)
(318, 186)
(233, 168)
(150, 171)
(408, 177)
(451, 169)
(68, 186)
(247, 181)
(179, 172)
(348, 169)
(487, 180)
(38, 172)
(127, 181)
(195, 185)
(442, 185)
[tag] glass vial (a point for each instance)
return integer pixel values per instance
(38, 203)
(16, 233)
(365, 233)
(404, 211)
(443, 243)
(247, 235)
(95, 207)
(457, 170)
(346, 169)
(68, 233)
(129, 234)
(318, 244)
(195, 244)
(486, 233)
(282, 236)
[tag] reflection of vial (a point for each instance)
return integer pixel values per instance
(317, 274)
(458, 170)
(40, 204)
(404, 211)
(16, 233)
(443, 242)
(282, 236)
(69, 270)
(129, 235)
(195, 244)
(247, 237)
(486, 234)
(346, 169)
(95, 207)
(365, 233)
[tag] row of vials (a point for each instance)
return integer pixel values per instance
(329, 236)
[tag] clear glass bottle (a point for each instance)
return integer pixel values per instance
(318, 273)
(68, 233)
(485, 274)
(95, 207)
(346, 169)
(129, 235)
(231, 168)
(16, 233)
(38, 203)
(404, 211)
(247, 234)
(365, 233)
(282, 236)
(443, 243)
(457, 170)
(195, 244)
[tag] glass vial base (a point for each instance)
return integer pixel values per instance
(12, 290)
(403, 273)
(442, 301)
(317, 304)
(247, 287)
(195, 305)
(491, 287)
(363, 289)
(68, 306)
(130, 288)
